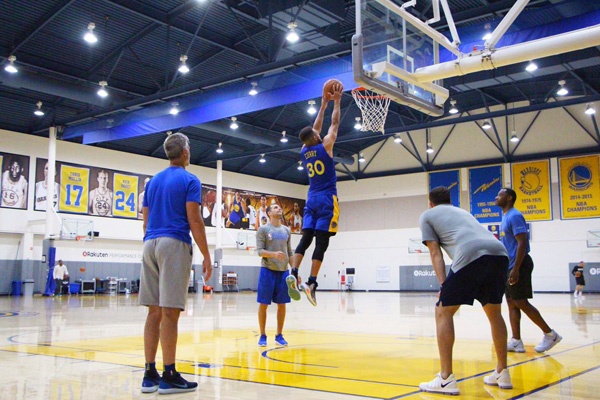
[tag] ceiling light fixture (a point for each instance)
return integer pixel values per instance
(174, 110)
(311, 107)
(300, 167)
(283, 138)
(183, 68)
(10, 67)
(39, 112)
(357, 125)
(514, 138)
(590, 110)
(234, 124)
(361, 158)
(89, 36)
(453, 109)
(563, 91)
(220, 148)
(262, 159)
(102, 91)
(292, 35)
(253, 91)
(429, 149)
(531, 67)
(486, 124)
(487, 34)
(397, 139)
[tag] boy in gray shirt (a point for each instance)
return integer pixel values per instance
(273, 243)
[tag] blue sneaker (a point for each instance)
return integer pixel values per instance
(175, 384)
(280, 340)
(292, 285)
(150, 383)
(262, 342)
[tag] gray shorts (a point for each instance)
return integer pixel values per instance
(166, 265)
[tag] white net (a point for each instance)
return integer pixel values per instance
(373, 107)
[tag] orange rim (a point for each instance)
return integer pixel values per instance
(356, 93)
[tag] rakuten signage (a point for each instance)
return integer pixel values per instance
(419, 278)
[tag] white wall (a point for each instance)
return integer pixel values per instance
(378, 217)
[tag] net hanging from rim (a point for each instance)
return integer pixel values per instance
(373, 107)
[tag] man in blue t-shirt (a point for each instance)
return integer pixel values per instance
(170, 211)
(321, 212)
(513, 234)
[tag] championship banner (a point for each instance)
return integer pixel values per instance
(125, 200)
(579, 187)
(531, 182)
(74, 189)
(484, 185)
(449, 179)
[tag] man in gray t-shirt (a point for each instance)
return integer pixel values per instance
(479, 272)
(273, 244)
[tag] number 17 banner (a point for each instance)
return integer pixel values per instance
(125, 196)
(74, 189)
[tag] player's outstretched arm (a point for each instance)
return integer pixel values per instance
(318, 124)
(331, 137)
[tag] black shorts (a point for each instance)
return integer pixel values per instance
(580, 281)
(522, 290)
(482, 280)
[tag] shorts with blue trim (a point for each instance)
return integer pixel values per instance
(272, 287)
(482, 280)
(321, 213)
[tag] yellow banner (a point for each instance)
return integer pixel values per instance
(74, 189)
(126, 195)
(579, 187)
(531, 182)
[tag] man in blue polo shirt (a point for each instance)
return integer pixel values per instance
(513, 234)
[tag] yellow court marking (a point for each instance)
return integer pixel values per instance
(369, 365)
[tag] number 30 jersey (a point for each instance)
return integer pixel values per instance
(320, 168)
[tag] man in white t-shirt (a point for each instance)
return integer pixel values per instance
(41, 192)
(60, 274)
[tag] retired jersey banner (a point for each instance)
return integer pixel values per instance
(579, 187)
(126, 195)
(484, 185)
(449, 179)
(531, 182)
(74, 188)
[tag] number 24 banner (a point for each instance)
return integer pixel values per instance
(126, 195)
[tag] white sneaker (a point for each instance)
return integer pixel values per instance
(549, 341)
(439, 385)
(502, 379)
(515, 345)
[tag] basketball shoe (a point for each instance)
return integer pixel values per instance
(550, 340)
(280, 340)
(440, 385)
(502, 379)
(292, 285)
(175, 384)
(310, 289)
(515, 346)
(150, 382)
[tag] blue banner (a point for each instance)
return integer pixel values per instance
(484, 185)
(450, 179)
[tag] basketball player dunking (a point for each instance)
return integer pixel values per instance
(321, 212)
(101, 197)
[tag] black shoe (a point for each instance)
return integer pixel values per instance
(175, 384)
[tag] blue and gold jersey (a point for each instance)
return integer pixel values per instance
(320, 168)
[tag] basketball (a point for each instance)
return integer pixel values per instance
(328, 86)
(577, 274)
(211, 197)
(82, 269)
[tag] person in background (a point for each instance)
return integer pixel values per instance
(59, 274)
(579, 278)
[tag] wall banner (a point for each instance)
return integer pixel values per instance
(74, 189)
(125, 200)
(579, 187)
(531, 182)
(484, 185)
(450, 179)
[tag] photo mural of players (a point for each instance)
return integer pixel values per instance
(143, 181)
(243, 209)
(41, 185)
(101, 197)
(15, 168)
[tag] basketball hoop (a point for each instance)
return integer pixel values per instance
(251, 250)
(83, 238)
(373, 107)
